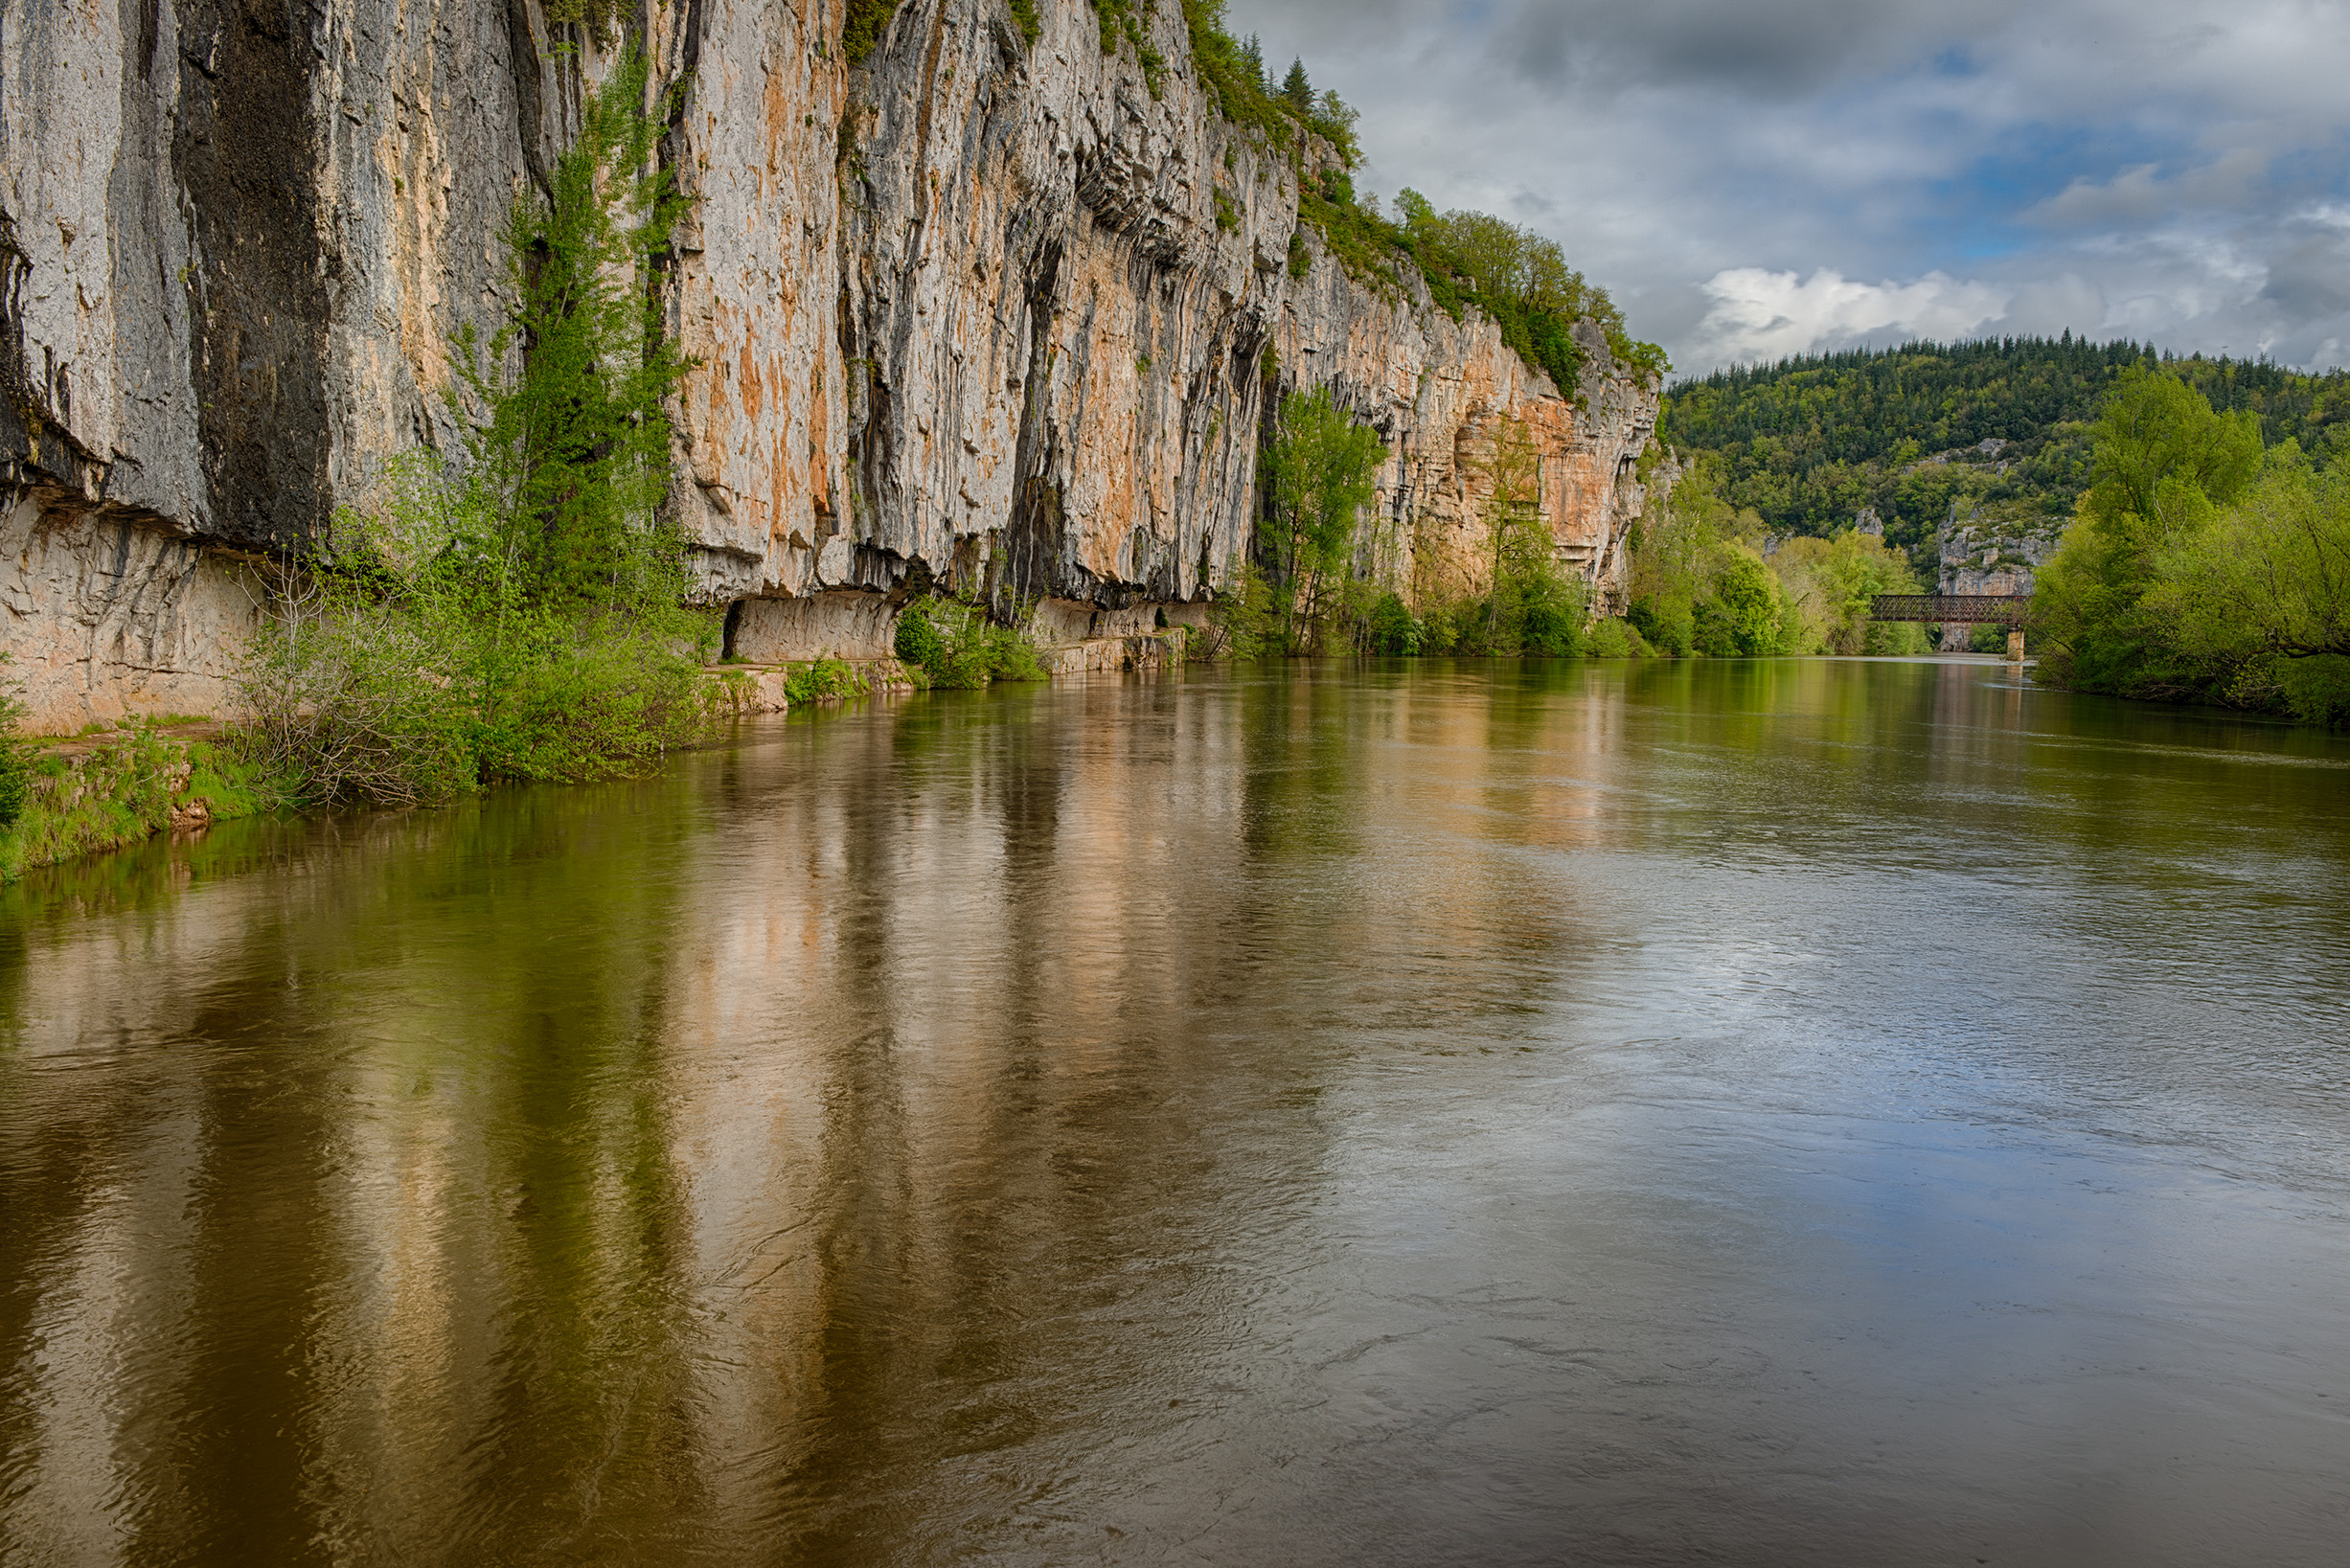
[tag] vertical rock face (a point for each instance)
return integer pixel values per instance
(1984, 558)
(976, 310)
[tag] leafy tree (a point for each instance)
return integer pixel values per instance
(1832, 586)
(2271, 575)
(1532, 606)
(1321, 469)
(1393, 628)
(1747, 615)
(2264, 592)
(1672, 556)
(2165, 460)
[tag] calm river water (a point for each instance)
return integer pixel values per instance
(1803, 1112)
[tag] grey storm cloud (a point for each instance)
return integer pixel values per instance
(1764, 177)
(1775, 51)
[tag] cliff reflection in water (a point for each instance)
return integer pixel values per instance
(1294, 1117)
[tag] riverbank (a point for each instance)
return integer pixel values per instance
(106, 790)
(109, 789)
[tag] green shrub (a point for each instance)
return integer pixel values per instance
(1896, 637)
(1245, 621)
(917, 640)
(2316, 690)
(15, 760)
(1746, 616)
(1711, 630)
(594, 702)
(826, 680)
(344, 698)
(1612, 639)
(1550, 618)
(349, 695)
(1670, 631)
(1393, 628)
(955, 645)
(15, 779)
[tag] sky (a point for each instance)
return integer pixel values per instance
(1753, 178)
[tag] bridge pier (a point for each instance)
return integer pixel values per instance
(2015, 645)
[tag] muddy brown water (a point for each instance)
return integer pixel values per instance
(1803, 1112)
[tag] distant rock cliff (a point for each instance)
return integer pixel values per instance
(974, 309)
(1983, 556)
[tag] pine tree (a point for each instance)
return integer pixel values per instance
(1297, 89)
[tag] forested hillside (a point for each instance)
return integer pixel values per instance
(1810, 441)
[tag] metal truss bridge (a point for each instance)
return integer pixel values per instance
(1954, 609)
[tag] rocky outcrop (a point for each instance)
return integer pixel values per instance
(1981, 555)
(977, 309)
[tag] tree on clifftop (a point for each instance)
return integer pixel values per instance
(1297, 89)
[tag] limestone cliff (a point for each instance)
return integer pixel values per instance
(975, 309)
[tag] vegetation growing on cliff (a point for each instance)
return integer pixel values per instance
(861, 24)
(601, 17)
(1518, 277)
(1810, 441)
(1313, 588)
(1234, 74)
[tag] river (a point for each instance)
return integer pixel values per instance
(1791, 1112)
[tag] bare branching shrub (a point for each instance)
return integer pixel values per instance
(351, 700)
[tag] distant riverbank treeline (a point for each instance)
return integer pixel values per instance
(2204, 519)
(1811, 441)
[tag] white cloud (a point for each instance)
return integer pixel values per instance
(1759, 314)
